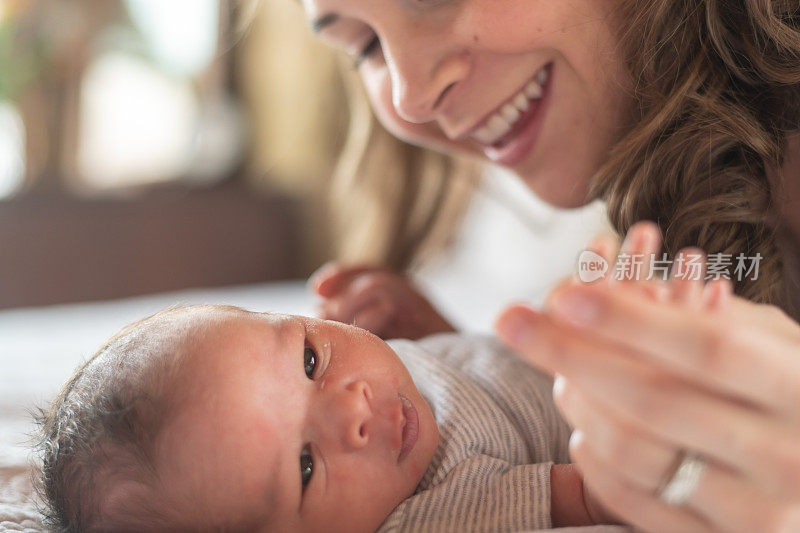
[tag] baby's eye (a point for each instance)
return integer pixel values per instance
(306, 466)
(310, 361)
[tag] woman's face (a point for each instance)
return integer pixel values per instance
(464, 76)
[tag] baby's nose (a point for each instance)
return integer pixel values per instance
(355, 411)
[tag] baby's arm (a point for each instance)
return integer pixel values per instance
(570, 503)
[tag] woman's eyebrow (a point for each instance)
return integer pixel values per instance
(323, 22)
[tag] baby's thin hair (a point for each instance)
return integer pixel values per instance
(98, 440)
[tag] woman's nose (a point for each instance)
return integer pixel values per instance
(421, 79)
(351, 412)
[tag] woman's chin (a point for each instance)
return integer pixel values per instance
(550, 189)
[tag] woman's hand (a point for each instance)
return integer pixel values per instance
(376, 299)
(650, 370)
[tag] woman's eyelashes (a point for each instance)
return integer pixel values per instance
(373, 46)
(306, 466)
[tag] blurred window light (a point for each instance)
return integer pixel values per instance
(12, 150)
(142, 119)
(181, 35)
(137, 124)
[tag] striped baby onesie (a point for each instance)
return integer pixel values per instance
(499, 432)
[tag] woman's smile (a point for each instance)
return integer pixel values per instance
(494, 129)
(514, 146)
(475, 76)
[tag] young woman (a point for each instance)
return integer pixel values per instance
(683, 112)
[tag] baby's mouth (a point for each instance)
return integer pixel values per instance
(410, 427)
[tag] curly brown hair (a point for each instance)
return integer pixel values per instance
(716, 93)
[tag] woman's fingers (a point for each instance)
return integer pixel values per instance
(724, 498)
(628, 502)
(635, 258)
(699, 346)
(613, 438)
(635, 261)
(605, 246)
(687, 278)
(721, 502)
(660, 404)
(717, 295)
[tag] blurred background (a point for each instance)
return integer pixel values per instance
(150, 146)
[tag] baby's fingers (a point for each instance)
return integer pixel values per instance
(331, 278)
(376, 317)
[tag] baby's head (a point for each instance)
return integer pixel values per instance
(206, 418)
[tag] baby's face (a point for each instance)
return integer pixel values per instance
(295, 424)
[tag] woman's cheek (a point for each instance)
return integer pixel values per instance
(513, 27)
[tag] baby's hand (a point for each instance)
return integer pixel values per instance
(376, 299)
(571, 502)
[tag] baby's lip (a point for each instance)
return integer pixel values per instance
(409, 428)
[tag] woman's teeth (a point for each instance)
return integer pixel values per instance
(501, 122)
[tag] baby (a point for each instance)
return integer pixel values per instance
(215, 418)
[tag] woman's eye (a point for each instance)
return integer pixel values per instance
(309, 361)
(306, 466)
(373, 46)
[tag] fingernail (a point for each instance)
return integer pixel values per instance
(576, 440)
(514, 329)
(576, 307)
(558, 385)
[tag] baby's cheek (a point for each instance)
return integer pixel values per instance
(347, 477)
(368, 491)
